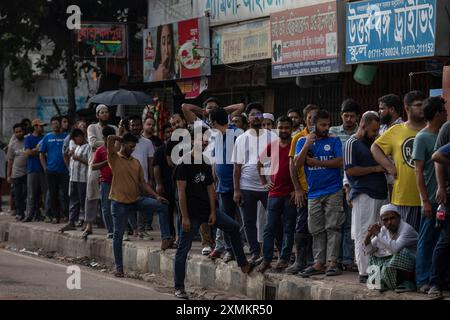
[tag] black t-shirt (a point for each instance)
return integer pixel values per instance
(184, 139)
(157, 142)
(166, 170)
(198, 177)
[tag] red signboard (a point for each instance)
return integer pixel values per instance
(305, 40)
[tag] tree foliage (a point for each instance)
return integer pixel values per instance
(25, 24)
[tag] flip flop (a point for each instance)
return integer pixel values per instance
(405, 286)
(310, 271)
(85, 234)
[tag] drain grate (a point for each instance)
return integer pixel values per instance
(270, 292)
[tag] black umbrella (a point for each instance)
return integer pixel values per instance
(121, 96)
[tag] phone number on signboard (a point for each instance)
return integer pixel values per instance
(403, 50)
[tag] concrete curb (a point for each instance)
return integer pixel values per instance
(201, 271)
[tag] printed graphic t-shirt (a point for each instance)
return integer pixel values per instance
(398, 142)
(323, 181)
(198, 177)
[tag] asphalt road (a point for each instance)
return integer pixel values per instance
(25, 277)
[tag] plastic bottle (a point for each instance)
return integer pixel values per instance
(440, 216)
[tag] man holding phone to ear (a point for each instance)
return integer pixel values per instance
(323, 175)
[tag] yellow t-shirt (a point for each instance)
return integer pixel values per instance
(301, 171)
(398, 142)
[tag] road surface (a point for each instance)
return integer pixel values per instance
(27, 277)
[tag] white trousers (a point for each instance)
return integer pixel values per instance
(365, 212)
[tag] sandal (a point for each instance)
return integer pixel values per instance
(405, 286)
(333, 271)
(85, 234)
(311, 271)
(424, 289)
(435, 293)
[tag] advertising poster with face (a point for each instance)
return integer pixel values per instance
(176, 51)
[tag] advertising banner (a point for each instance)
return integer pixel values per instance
(192, 88)
(380, 30)
(305, 41)
(177, 51)
(101, 40)
(228, 11)
(239, 43)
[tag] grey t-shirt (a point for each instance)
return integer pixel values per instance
(442, 139)
(144, 150)
(423, 149)
(16, 153)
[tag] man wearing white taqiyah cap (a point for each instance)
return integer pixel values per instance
(392, 248)
(268, 121)
(389, 208)
(100, 107)
(95, 140)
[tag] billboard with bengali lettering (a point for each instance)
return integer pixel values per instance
(101, 40)
(379, 30)
(241, 42)
(305, 41)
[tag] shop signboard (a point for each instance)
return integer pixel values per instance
(101, 40)
(379, 30)
(304, 41)
(240, 43)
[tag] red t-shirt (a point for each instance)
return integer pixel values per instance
(281, 176)
(101, 155)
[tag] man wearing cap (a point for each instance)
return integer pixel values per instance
(268, 121)
(36, 182)
(392, 248)
(95, 140)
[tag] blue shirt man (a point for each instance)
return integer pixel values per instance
(52, 145)
(322, 181)
(33, 163)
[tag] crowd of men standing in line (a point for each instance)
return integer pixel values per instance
(361, 196)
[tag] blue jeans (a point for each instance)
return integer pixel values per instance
(106, 206)
(227, 206)
(347, 244)
(441, 253)
(77, 201)
(280, 210)
(428, 237)
(223, 222)
(120, 216)
(249, 211)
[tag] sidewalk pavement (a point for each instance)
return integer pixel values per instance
(147, 257)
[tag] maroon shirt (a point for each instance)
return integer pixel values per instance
(281, 178)
(101, 155)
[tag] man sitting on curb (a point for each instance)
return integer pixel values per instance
(392, 248)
